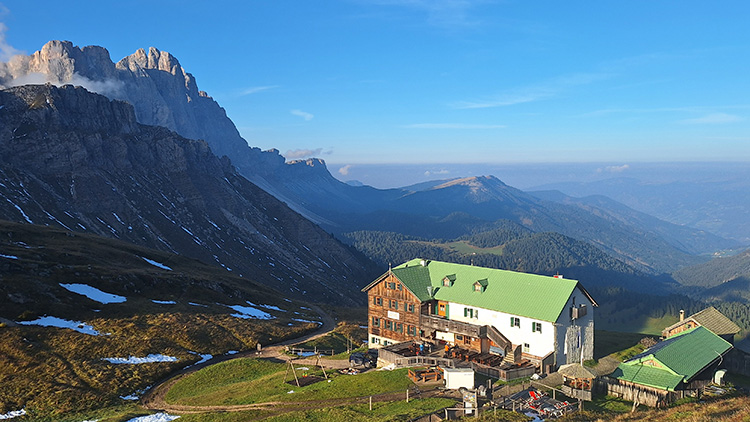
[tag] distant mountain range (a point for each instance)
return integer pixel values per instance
(164, 94)
(721, 207)
(80, 161)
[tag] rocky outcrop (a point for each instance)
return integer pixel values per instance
(80, 161)
(164, 94)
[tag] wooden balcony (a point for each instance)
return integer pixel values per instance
(433, 322)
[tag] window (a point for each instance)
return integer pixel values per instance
(399, 328)
(389, 324)
(467, 340)
(515, 322)
(378, 301)
(411, 307)
(526, 347)
(536, 327)
(471, 313)
(392, 286)
(398, 286)
(448, 280)
(393, 304)
(459, 337)
(412, 330)
(375, 340)
(375, 322)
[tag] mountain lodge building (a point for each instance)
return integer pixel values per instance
(548, 321)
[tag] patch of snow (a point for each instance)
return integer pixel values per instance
(130, 397)
(93, 293)
(118, 218)
(362, 326)
(390, 367)
(204, 358)
(272, 307)
(156, 417)
(290, 392)
(13, 414)
(8, 256)
(132, 360)
(246, 312)
(164, 302)
(232, 352)
(197, 304)
(307, 320)
(303, 368)
(50, 321)
(26, 217)
(156, 264)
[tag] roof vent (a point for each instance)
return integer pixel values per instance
(429, 290)
(423, 262)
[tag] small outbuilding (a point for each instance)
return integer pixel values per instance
(578, 381)
(456, 378)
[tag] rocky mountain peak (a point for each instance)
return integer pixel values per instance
(153, 60)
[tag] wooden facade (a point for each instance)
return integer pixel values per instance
(394, 311)
(688, 324)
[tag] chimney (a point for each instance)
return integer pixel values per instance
(423, 262)
(682, 315)
(558, 275)
(429, 290)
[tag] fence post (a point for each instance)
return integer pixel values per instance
(407, 395)
(370, 402)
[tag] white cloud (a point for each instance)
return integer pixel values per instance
(344, 171)
(439, 172)
(303, 153)
(451, 126)
(715, 118)
(6, 50)
(257, 89)
(303, 114)
(443, 13)
(541, 91)
(503, 100)
(613, 169)
(111, 88)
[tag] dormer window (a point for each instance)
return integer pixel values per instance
(448, 280)
(480, 285)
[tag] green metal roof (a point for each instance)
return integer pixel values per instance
(684, 355)
(647, 375)
(530, 295)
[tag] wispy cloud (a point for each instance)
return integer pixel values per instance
(613, 169)
(303, 114)
(6, 50)
(714, 119)
(257, 89)
(443, 13)
(297, 154)
(451, 126)
(541, 91)
(344, 171)
(438, 172)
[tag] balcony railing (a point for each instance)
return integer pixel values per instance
(456, 327)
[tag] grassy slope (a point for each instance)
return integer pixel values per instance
(245, 381)
(52, 371)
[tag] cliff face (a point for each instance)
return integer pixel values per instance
(164, 94)
(78, 160)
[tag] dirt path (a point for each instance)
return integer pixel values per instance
(154, 399)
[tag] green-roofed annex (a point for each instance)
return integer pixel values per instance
(678, 359)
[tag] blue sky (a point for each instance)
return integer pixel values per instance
(443, 81)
